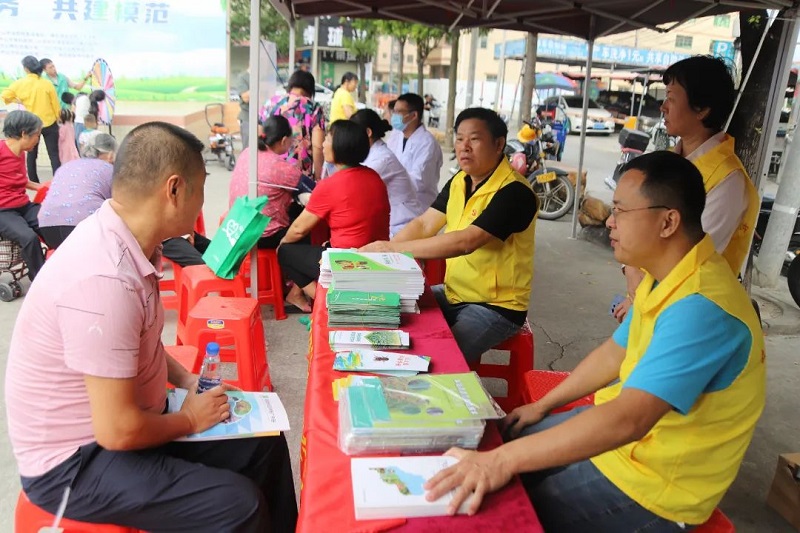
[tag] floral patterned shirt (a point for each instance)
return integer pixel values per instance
(303, 114)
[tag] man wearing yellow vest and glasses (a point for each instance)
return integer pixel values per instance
(700, 97)
(488, 212)
(678, 388)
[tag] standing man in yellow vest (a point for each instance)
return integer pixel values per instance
(678, 388)
(489, 215)
(700, 97)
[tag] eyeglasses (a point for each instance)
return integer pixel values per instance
(616, 211)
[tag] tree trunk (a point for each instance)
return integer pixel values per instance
(362, 82)
(450, 118)
(745, 126)
(528, 78)
(420, 70)
(401, 67)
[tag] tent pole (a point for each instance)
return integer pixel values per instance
(586, 88)
(292, 47)
(255, 99)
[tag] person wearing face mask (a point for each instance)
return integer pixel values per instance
(415, 147)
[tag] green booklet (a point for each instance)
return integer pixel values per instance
(359, 299)
(371, 340)
(388, 363)
(353, 262)
(427, 400)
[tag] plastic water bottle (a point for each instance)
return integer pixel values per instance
(210, 375)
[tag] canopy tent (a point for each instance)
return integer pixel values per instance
(588, 19)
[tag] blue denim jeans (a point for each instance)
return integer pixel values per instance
(476, 329)
(578, 498)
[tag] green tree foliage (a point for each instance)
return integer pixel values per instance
(401, 32)
(427, 38)
(273, 26)
(364, 46)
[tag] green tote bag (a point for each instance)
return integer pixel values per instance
(239, 232)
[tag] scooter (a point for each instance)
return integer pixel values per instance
(633, 143)
(552, 186)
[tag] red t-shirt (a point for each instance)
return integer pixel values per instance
(355, 204)
(13, 178)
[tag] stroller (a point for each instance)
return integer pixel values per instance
(12, 263)
(220, 140)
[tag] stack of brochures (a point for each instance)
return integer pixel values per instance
(346, 270)
(423, 413)
(390, 339)
(366, 309)
(384, 363)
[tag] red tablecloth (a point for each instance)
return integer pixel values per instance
(326, 501)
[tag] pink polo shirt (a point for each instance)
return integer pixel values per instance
(93, 310)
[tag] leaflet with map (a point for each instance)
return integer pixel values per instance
(393, 339)
(376, 361)
(253, 414)
(392, 487)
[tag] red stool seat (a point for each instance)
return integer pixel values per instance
(270, 280)
(29, 518)
(189, 357)
(540, 382)
(236, 322)
(520, 361)
(196, 282)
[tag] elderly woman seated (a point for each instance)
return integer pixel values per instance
(78, 189)
(18, 215)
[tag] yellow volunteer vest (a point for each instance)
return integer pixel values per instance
(681, 469)
(500, 272)
(715, 165)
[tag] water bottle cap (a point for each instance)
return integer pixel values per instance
(212, 348)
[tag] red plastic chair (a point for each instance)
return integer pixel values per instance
(520, 361)
(236, 322)
(433, 270)
(170, 301)
(41, 193)
(200, 224)
(718, 523)
(29, 518)
(196, 282)
(540, 382)
(270, 281)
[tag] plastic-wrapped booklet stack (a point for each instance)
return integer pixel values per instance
(347, 270)
(423, 413)
(365, 309)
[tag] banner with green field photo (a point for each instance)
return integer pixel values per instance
(158, 50)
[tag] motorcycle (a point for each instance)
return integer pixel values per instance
(791, 263)
(527, 154)
(633, 143)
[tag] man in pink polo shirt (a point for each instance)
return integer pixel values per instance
(87, 373)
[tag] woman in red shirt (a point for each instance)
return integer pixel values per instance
(353, 202)
(18, 215)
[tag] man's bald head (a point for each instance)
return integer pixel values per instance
(151, 153)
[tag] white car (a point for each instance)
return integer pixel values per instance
(598, 120)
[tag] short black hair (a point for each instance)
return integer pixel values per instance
(497, 127)
(348, 76)
(67, 97)
(19, 122)
(390, 104)
(708, 84)
(301, 79)
(33, 65)
(98, 95)
(371, 120)
(415, 103)
(275, 128)
(350, 143)
(45, 61)
(673, 181)
(151, 153)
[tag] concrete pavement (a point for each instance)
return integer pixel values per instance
(574, 283)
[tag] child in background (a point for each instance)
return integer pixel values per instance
(89, 132)
(67, 151)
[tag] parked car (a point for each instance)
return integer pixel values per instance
(598, 120)
(618, 103)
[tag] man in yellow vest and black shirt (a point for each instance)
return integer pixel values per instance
(678, 388)
(488, 212)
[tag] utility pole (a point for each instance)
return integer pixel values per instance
(292, 47)
(528, 78)
(315, 51)
(770, 258)
(498, 90)
(451, 91)
(391, 64)
(473, 52)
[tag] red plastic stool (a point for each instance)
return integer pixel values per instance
(540, 382)
(200, 224)
(196, 282)
(270, 280)
(170, 301)
(520, 361)
(29, 518)
(189, 357)
(235, 321)
(718, 523)
(434, 270)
